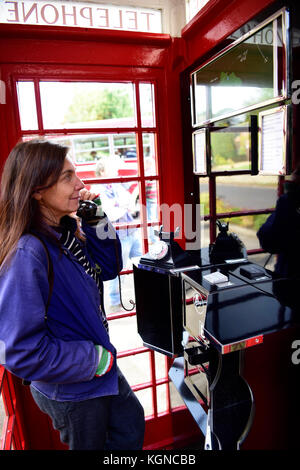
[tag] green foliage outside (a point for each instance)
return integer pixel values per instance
(98, 105)
(231, 151)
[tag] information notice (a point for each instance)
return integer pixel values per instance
(273, 138)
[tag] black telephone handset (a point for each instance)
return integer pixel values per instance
(87, 210)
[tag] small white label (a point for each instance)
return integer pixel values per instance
(216, 278)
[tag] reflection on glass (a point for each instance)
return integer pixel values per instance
(87, 105)
(199, 152)
(244, 76)
(27, 106)
(147, 104)
(201, 108)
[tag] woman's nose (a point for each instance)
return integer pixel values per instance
(79, 184)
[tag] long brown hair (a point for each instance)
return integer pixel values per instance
(30, 166)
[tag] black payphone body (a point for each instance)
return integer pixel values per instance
(209, 315)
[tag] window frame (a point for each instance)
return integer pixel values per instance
(141, 179)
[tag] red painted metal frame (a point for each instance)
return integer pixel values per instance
(203, 33)
(150, 55)
(139, 130)
(52, 61)
(12, 432)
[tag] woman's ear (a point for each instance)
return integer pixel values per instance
(37, 195)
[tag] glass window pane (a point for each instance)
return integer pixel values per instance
(91, 152)
(112, 297)
(162, 398)
(150, 154)
(205, 235)
(241, 77)
(204, 208)
(135, 368)
(152, 207)
(88, 148)
(201, 108)
(125, 146)
(147, 104)
(70, 105)
(161, 366)
(245, 228)
(118, 200)
(246, 192)
(27, 106)
(123, 333)
(145, 398)
(231, 144)
(176, 399)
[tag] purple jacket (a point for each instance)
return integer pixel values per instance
(59, 356)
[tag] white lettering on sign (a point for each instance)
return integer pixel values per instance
(84, 15)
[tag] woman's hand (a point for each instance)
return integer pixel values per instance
(86, 195)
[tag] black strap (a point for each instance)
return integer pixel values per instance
(50, 276)
(50, 280)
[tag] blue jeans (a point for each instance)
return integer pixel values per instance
(113, 422)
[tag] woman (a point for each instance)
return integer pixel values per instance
(68, 358)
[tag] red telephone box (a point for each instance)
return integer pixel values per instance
(39, 55)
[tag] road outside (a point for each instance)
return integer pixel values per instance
(246, 192)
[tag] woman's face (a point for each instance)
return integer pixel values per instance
(63, 197)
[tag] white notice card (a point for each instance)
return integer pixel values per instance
(200, 152)
(272, 142)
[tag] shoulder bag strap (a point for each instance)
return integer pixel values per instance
(50, 275)
(50, 280)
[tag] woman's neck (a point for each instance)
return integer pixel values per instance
(51, 220)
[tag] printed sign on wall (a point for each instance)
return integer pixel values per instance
(85, 15)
